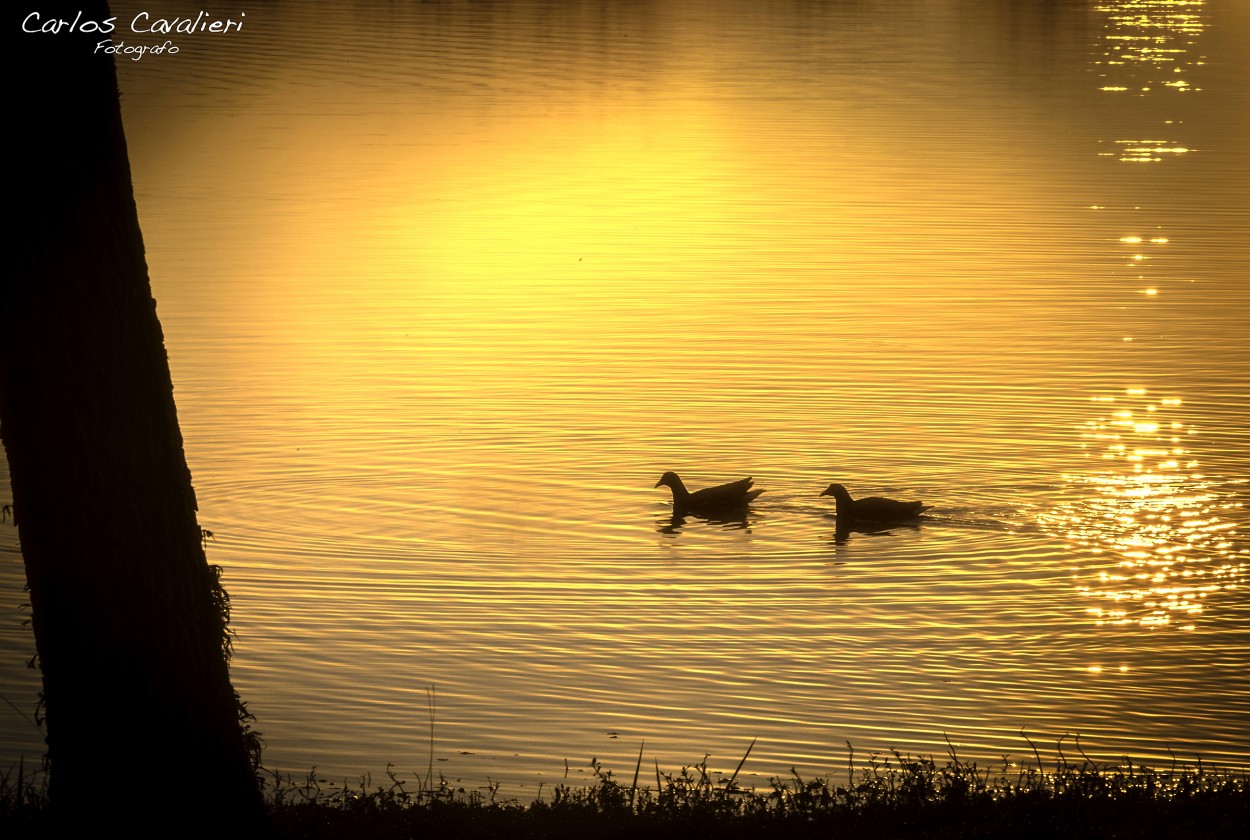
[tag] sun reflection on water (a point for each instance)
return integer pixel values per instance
(1148, 46)
(1147, 150)
(1152, 532)
(1159, 33)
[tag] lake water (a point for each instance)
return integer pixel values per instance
(447, 286)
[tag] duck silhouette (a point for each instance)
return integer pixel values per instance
(734, 496)
(871, 509)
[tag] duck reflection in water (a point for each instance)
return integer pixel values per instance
(841, 533)
(726, 504)
(673, 524)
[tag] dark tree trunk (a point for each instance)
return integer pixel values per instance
(130, 624)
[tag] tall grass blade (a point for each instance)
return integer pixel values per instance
(637, 767)
(740, 763)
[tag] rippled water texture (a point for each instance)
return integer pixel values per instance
(447, 286)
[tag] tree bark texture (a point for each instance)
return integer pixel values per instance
(143, 725)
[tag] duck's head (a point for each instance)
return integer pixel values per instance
(837, 491)
(670, 479)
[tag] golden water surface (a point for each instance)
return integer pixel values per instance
(447, 286)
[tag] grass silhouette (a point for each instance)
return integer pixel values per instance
(887, 796)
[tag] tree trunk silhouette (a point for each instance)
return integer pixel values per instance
(143, 725)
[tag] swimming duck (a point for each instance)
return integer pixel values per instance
(873, 508)
(735, 495)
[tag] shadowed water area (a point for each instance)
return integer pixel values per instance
(447, 286)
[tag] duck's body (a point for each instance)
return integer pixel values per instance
(873, 508)
(734, 496)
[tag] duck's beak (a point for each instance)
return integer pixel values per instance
(825, 492)
(658, 483)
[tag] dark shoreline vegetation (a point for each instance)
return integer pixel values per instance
(883, 796)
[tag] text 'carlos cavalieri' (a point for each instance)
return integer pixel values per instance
(143, 23)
